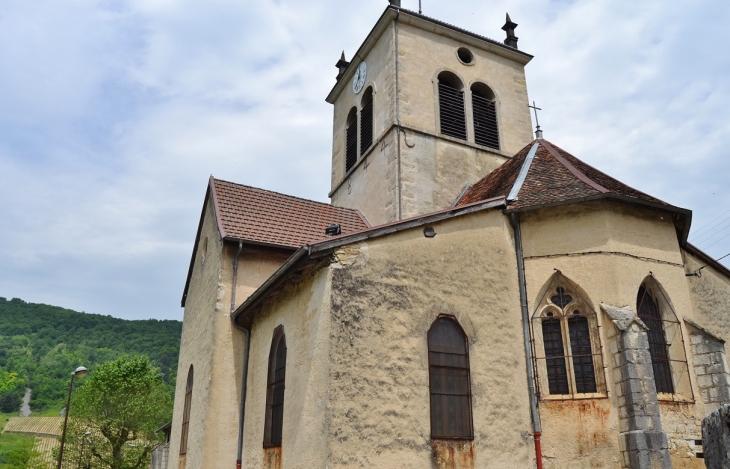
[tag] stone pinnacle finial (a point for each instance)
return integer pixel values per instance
(395, 3)
(342, 65)
(509, 28)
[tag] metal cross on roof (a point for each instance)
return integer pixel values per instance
(538, 132)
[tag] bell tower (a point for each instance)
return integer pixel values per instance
(421, 111)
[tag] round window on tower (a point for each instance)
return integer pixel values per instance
(465, 56)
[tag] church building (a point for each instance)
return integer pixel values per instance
(473, 296)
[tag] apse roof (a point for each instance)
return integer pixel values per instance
(543, 173)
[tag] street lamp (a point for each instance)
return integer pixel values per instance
(80, 372)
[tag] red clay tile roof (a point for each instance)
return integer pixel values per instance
(554, 176)
(261, 216)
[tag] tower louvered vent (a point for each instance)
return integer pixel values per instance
(351, 140)
(366, 121)
(451, 106)
(485, 116)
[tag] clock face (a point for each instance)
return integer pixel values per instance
(358, 81)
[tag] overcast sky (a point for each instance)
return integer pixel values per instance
(114, 113)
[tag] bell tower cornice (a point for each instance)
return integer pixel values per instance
(427, 24)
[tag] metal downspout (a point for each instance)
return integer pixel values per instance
(235, 277)
(537, 433)
(242, 410)
(397, 116)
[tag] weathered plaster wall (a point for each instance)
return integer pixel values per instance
(197, 341)
(303, 310)
(386, 294)
(255, 265)
(710, 295)
(372, 185)
(435, 171)
(215, 347)
(608, 250)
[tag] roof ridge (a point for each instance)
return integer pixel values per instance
(606, 174)
(575, 171)
(285, 195)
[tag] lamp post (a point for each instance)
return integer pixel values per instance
(80, 372)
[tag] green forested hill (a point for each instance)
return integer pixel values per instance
(40, 345)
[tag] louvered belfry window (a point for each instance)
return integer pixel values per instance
(649, 312)
(275, 390)
(484, 109)
(366, 121)
(449, 381)
(186, 412)
(452, 114)
(351, 140)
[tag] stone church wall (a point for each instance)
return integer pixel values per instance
(608, 249)
(197, 341)
(215, 347)
(303, 311)
(386, 294)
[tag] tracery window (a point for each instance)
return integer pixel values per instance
(567, 345)
(666, 344)
(186, 412)
(484, 110)
(351, 140)
(452, 113)
(449, 381)
(275, 390)
(366, 121)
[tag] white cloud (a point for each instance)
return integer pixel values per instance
(113, 114)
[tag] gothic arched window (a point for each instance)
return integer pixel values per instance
(484, 109)
(648, 310)
(186, 412)
(666, 344)
(351, 140)
(449, 383)
(452, 114)
(275, 390)
(568, 346)
(366, 120)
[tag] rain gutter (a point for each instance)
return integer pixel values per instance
(324, 247)
(683, 212)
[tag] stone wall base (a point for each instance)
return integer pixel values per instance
(645, 449)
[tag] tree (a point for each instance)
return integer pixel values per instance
(115, 413)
